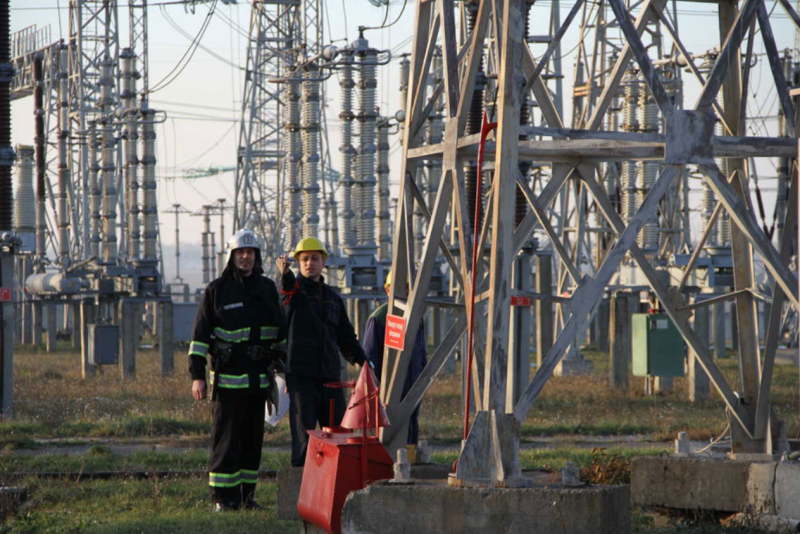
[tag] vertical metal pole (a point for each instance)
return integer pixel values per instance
(503, 214)
(177, 243)
(544, 306)
(620, 343)
(519, 333)
(697, 381)
(87, 318)
(52, 325)
(720, 342)
(6, 308)
(166, 343)
(75, 312)
(127, 362)
(601, 324)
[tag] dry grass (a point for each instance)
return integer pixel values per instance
(53, 401)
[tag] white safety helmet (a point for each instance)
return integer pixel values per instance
(244, 238)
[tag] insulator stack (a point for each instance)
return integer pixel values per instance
(63, 159)
(24, 197)
(474, 119)
(724, 219)
(520, 203)
(149, 204)
(630, 123)
(348, 153)
(130, 137)
(384, 201)
(310, 135)
(96, 196)
(6, 152)
(367, 119)
(294, 153)
(648, 171)
(107, 165)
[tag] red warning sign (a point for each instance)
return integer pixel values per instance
(5, 294)
(395, 332)
(520, 301)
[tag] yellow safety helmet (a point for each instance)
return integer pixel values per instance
(310, 244)
(388, 281)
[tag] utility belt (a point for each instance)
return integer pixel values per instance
(225, 352)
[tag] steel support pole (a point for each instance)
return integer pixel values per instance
(720, 339)
(6, 338)
(698, 384)
(620, 342)
(87, 308)
(166, 342)
(544, 306)
(127, 362)
(519, 343)
(52, 325)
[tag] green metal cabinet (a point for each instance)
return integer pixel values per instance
(658, 348)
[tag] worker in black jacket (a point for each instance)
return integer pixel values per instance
(317, 331)
(239, 325)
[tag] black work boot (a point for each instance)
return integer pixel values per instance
(251, 504)
(223, 507)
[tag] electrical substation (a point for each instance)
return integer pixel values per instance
(543, 176)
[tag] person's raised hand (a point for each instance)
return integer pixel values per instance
(283, 264)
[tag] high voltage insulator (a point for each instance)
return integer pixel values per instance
(647, 170)
(346, 149)
(63, 161)
(384, 202)
(130, 137)
(95, 200)
(148, 161)
(630, 123)
(310, 134)
(24, 197)
(107, 165)
(367, 116)
(294, 153)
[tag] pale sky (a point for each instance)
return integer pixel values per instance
(204, 102)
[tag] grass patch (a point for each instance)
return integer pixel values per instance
(156, 506)
(101, 458)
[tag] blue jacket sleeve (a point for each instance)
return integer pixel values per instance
(373, 344)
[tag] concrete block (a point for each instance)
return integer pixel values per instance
(690, 483)
(760, 484)
(433, 506)
(289, 481)
(787, 490)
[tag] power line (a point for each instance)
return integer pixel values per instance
(189, 52)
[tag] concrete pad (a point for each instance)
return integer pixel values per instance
(690, 483)
(756, 488)
(760, 484)
(435, 507)
(290, 478)
(787, 490)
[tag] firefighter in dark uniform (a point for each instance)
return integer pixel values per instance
(239, 326)
(317, 331)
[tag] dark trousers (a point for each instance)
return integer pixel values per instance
(309, 404)
(236, 439)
